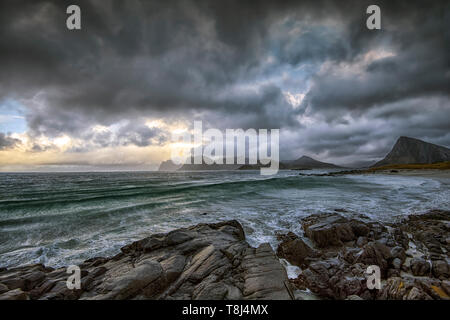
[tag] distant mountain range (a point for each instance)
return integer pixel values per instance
(411, 151)
(405, 151)
(308, 163)
(303, 162)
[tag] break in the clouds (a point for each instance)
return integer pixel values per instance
(111, 93)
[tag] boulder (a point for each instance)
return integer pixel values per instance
(376, 253)
(334, 279)
(361, 241)
(399, 252)
(295, 250)
(419, 267)
(328, 230)
(332, 229)
(33, 279)
(440, 269)
(397, 263)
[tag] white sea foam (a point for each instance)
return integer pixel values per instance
(65, 219)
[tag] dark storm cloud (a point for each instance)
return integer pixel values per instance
(420, 67)
(131, 133)
(7, 142)
(208, 60)
(140, 135)
(141, 55)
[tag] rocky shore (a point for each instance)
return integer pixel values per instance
(213, 261)
(413, 256)
(206, 261)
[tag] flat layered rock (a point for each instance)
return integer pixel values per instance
(206, 261)
(264, 277)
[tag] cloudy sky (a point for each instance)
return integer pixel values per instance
(110, 95)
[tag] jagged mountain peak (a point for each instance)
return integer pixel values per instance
(409, 150)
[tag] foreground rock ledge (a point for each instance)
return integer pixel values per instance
(206, 261)
(412, 255)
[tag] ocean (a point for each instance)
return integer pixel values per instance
(64, 218)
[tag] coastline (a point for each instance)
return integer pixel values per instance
(425, 173)
(214, 261)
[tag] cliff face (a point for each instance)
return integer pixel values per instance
(409, 150)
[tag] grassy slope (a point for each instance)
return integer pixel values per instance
(416, 166)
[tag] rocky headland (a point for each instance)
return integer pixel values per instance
(214, 261)
(410, 151)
